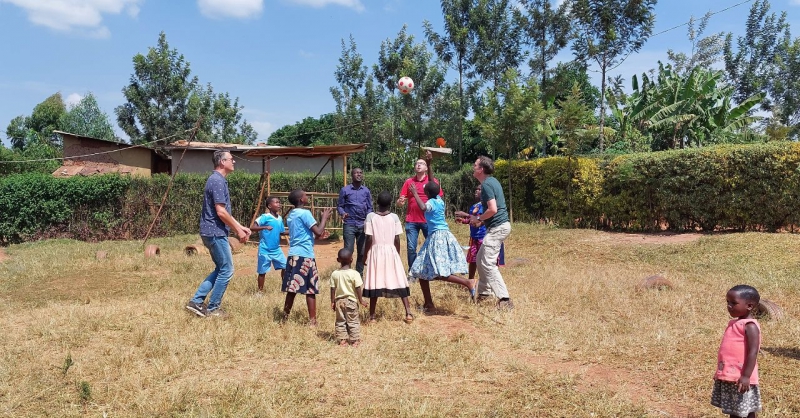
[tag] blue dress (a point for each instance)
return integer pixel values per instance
(441, 255)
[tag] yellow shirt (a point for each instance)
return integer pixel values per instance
(345, 282)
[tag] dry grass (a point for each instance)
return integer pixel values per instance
(90, 337)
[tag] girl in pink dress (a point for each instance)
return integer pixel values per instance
(736, 390)
(384, 275)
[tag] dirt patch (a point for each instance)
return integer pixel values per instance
(3, 255)
(656, 238)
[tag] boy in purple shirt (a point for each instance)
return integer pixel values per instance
(355, 202)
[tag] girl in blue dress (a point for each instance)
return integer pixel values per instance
(441, 256)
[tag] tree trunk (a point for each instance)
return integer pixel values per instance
(602, 102)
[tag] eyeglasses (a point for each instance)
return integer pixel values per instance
(229, 159)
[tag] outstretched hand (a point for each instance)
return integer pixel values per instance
(428, 155)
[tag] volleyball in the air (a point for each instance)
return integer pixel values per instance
(405, 85)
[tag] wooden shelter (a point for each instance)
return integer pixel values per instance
(331, 151)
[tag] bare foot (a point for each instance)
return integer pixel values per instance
(429, 308)
(409, 318)
(342, 343)
(312, 323)
(356, 343)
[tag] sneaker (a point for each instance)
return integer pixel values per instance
(505, 304)
(196, 308)
(217, 313)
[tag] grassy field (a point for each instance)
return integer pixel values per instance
(111, 337)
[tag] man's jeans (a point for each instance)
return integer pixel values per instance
(217, 281)
(354, 234)
(412, 235)
(488, 272)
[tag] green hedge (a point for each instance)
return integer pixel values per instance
(742, 187)
(34, 206)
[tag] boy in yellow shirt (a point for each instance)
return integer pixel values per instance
(346, 286)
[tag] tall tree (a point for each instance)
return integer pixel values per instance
(513, 116)
(455, 48)
(23, 131)
(17, 132)
(497, 38)
(750, 67)
(86, 118)
(350, 76)
(157, 95)
(46, 117)
(411, 112)
(164, 100)
(607, 32)
(706, 51)
(547, 31)
(785, 90)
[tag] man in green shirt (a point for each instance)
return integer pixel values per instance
(495, 218)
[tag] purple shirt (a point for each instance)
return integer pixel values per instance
(356, 203)
(216, 191)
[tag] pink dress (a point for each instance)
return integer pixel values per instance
(384, 274)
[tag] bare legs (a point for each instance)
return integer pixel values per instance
(311, 303)
(373, 302)
(425, 286)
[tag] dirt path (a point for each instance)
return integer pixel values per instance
(590, 377)
(3, 255)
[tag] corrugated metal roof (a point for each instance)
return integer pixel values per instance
(319, 150)
(96, 139)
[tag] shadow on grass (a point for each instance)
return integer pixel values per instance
(793, 353)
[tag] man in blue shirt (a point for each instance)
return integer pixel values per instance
(216, 222)
(355, 202)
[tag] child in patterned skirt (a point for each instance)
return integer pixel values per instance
(301, 275)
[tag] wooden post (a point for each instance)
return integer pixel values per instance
(344, 173)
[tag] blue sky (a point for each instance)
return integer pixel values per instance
(277, 56)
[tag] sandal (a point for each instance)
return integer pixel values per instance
(473, 290)
(409, 318)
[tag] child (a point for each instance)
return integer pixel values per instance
(384, 275)
(736, 380)
(345, 288)
(440, 256)
(300, 275)
(269, 249)
(476, 234)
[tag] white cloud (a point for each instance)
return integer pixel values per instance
(81, 16)
(72, 99)
(264, 129)
(240, 9)
(353, 4)
(306, 54)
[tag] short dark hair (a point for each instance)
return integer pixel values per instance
(487, 164)
(384, 199)
(747, 292)
(218, 156)
(353, 170)
(345, 253)
(432, 189)
(269, 199)
(294, 197)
